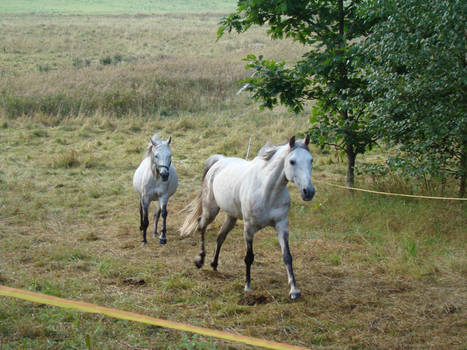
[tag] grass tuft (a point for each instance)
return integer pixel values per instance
(66, 160)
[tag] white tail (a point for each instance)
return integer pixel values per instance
(195, 208)
(191, 222)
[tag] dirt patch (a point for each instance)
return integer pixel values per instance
(127, 245)
(218, 274)
(254, 299)
(133, 282)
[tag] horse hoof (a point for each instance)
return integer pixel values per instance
(294, 295)
(143, 243)
(214, 266)
(154, 234)
(162, 240)
(199, 261)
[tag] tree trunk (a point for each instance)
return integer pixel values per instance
(351, 155)
(341, 19)
(463, 166)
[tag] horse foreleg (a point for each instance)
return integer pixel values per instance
(140, 216)
(144, 206)
(228, 224)
(162, 237)
(157, 215)
(249, 257)
(282, 229)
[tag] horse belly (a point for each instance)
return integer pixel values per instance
(225, 201)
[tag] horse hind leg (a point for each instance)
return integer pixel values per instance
(208, 214)
(227, 226)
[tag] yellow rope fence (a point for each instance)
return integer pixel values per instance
(124, 315)
(389, 193)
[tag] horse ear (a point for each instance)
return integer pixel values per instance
(307, 139)
(152, 142)
(292, 142)
(169, 140)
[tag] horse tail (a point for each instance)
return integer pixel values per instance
(194, 208)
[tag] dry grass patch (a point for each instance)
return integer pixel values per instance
(372, 272)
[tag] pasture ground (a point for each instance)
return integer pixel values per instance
(374, 271)
(115, 7)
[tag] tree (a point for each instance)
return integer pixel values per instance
(329, 74)
(418, 77)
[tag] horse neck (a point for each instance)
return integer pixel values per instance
(275, 180)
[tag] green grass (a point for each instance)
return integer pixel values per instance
(375, 271)
(116, 6)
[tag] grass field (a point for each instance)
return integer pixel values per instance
(79, 97)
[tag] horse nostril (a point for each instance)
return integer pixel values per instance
(308, 193)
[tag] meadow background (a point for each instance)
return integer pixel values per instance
(83, 85)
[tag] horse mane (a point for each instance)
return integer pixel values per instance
(268, 151)
(155, 139)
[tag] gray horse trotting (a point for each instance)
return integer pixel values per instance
(255, 191)
(155, 180)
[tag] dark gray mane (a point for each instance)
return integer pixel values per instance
(267, 151)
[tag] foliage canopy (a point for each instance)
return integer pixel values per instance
(329, 74)
(417, 76)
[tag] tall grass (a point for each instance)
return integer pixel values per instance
(163, 64)
(166, 87)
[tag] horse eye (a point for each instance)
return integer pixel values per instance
(292, 162)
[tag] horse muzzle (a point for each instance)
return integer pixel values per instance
(308, 193)
(165, 176)
(163, 172)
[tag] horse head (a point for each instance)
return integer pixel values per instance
(297, 167)
(162, 157)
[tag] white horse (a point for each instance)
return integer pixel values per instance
(255, 191)
(155, 179)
